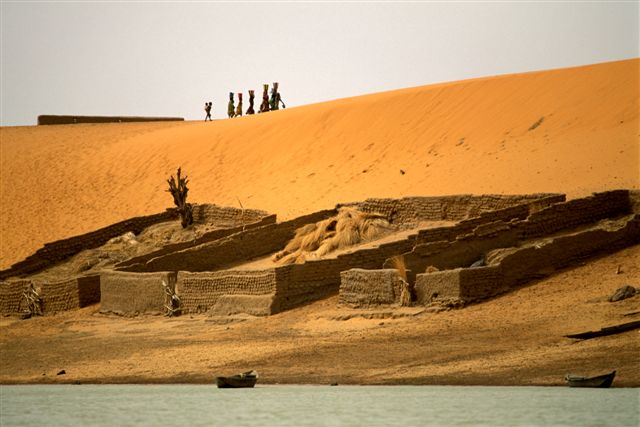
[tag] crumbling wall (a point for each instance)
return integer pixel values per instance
(214, 214)
(134, 293)
(465, 284)
(69, 294)
(11, 295)
(60, 250)
(231, 250)
(412, 210)
(363, 288)
(510, 267)
(138, 263)
(252, 291)
(64, 295)
(542, 257)
(467, 242)
(571, 214)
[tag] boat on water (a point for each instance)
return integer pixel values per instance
(601, 381)
(243, 380)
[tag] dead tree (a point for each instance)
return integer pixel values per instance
(178, 189)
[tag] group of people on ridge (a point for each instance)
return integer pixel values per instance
(269, 103)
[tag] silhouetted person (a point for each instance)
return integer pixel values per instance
(231, 109)
(273, 102)
(239, 109)
(264, 107)
(207, 109)
(252, 95)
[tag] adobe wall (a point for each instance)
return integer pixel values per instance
(65, 295)
(129, 293)
(210, 213)
(227, 291)
(411, 210)
(11, 295)
(466, 284)
(241, 247)
(60, 250)
(138, 263)
(571, 214)
(467, 242)
(541, 258)
(231, 250)
(69, 294)
(513, 266)
(363, 288)
(48, 119)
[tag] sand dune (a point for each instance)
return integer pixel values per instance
(571, 130)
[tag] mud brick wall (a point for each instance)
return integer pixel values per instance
(69, 294)
(46, 119)
(231, 250)
(634, 200)
(562, 216)
(539, 259)
(362, 288)
(411, 210)
(140, 261)
(60, 250)
(11, 295)
(511, 267)
(134, 293)
(299, 284)
(201, 292)
(459, 253)
(467, 284)
(210, 213)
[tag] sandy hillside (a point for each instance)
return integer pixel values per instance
(570, 130)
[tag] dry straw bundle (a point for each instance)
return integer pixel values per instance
(349, 227)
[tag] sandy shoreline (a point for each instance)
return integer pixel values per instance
(515, 339)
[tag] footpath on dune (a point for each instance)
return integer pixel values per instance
(571, 130)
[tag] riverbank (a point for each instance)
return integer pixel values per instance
(515, 339)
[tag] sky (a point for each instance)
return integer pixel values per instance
(167, 58)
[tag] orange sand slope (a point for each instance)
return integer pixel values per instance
(570, 130)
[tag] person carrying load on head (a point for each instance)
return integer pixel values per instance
(231, 109)
(252, 95)
(273, 102)
(276, 100)
(264, 107)
(239, 109)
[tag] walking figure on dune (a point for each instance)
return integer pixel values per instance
(207, 109)
(231, 109)
(275, 98)
(239, 108)
(251, 97)
(264, 107)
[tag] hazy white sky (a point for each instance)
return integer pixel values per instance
(168, 58)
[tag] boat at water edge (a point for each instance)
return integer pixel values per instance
(600, 381)
(243, 380)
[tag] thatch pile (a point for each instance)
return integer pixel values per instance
(349, 227)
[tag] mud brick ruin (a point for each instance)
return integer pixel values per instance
(474, 247)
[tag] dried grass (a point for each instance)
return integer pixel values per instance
(349, 227)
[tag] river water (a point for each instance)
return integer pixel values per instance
(205, 405)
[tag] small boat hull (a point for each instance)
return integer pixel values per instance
(244, 380)
(601, 381)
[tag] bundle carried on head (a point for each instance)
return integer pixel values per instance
(349, 227)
